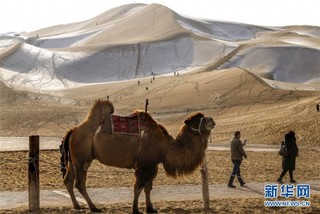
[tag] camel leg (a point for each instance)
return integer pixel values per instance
(147, 191)
(69, 182)
(136, 192)
(144, 177)
(152, 173)
(81, 177)
(137, 189)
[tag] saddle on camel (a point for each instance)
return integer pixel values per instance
(142, 151)
(123, 124)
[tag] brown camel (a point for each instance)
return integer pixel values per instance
(180, 156)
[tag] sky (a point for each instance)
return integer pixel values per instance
(30, 15)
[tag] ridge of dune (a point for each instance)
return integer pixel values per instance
(148, 24)
(216, 89)
(129, 24)
(8, 45)
(286, 63)
(92, 24)
(313, 31)
(225, 31)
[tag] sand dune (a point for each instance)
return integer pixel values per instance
(137, 40)
(46, 69)
(262, 80)
(235, 98)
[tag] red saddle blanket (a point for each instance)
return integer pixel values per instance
(122, 124)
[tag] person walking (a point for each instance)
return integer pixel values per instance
(237, 154)
(289, 160)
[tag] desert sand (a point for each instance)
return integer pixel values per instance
(263, 81)
(259, 167)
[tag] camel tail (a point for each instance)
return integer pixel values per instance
(65, 153)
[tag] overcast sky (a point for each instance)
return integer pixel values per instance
(30, 15)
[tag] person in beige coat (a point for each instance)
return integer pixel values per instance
(237, 154)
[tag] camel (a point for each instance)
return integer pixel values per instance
(143, 153)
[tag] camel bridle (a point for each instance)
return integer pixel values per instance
(199, 128)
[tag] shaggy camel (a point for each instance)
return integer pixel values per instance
(180, 156)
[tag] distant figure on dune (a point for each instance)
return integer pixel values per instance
(318, 107)
(237, 152)
(289, 160)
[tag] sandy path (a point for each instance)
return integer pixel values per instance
(11, 144)
(102, 196)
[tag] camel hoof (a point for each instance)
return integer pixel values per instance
(77, 207)
(96, 210)
(136, 212)
(150, 209)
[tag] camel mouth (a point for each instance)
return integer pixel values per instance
(210, 125)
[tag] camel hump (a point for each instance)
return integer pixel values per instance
(101, 107)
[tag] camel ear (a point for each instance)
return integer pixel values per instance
(187, 122)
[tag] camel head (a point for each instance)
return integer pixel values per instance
(198, 122)
(188, 150)
(209, 123)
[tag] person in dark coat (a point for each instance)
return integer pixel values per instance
(289, 161)
(237, 154)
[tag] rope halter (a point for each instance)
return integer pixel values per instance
(199, 128)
